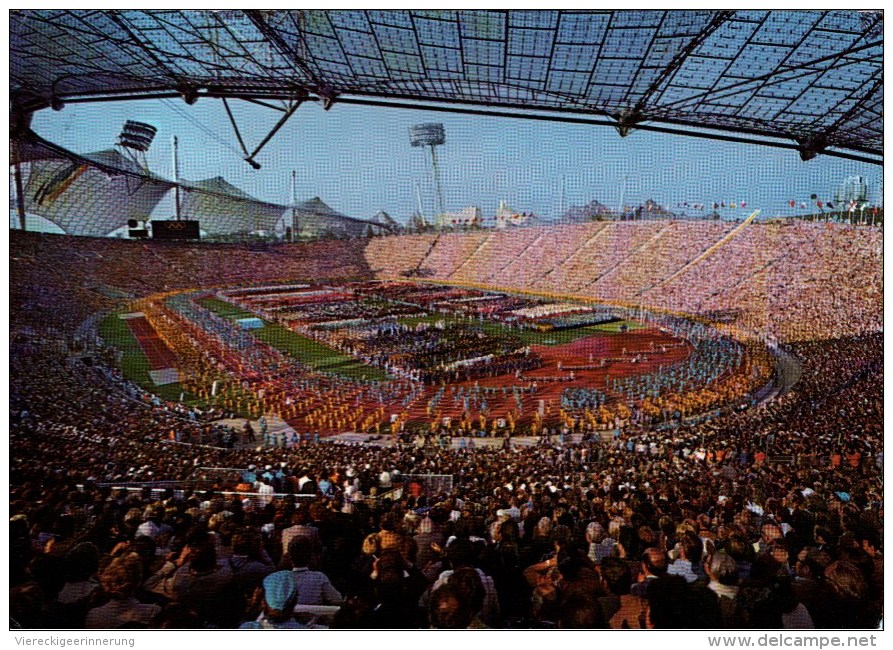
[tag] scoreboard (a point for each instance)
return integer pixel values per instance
(186, 229)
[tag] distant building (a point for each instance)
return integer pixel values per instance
(505, 216)
(589, 212)
(652, 210)
(314, 219)
(469, 216)
(595, 211)
(853, 188)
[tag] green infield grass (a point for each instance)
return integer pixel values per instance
(317, 355)
(531, 337)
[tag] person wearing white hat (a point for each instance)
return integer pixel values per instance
(249, 476)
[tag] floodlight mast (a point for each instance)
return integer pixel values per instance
(431, 135)
(437, 186)
(294, 205)
(134, 141)
(562, 204)
(421, 213)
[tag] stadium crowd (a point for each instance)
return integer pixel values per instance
(769, 517)
(775, 279)
(780, 280)
(58, 281)
(766, 518)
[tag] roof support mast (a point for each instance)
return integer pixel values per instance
(20, 196)
(288, 111)
(627, 119)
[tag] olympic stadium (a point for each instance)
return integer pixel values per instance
(446, 319)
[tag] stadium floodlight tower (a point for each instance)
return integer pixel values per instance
(431, 135)
(134, 141)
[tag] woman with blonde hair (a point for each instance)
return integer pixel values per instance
(120, 580)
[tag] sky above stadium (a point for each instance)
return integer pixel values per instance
(358, 160)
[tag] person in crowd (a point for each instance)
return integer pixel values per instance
(278, 598)
(313, 587)
(120, 581)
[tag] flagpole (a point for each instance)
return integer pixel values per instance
(561, 208)
(176, 175)
(622, 194)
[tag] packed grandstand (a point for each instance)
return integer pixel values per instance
(647, 423)
(529, 442)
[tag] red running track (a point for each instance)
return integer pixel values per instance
(156, 350)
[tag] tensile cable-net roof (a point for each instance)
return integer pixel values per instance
(96, 194)
(223, 209)
(813, 78)
(93, 195)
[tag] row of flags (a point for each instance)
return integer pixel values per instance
(850, 206)
(716, 205)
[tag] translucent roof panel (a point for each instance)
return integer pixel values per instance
(86, 200)
(222, 209)
(97, 193)
(812, 76)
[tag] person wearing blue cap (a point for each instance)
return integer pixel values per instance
(280, 593)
